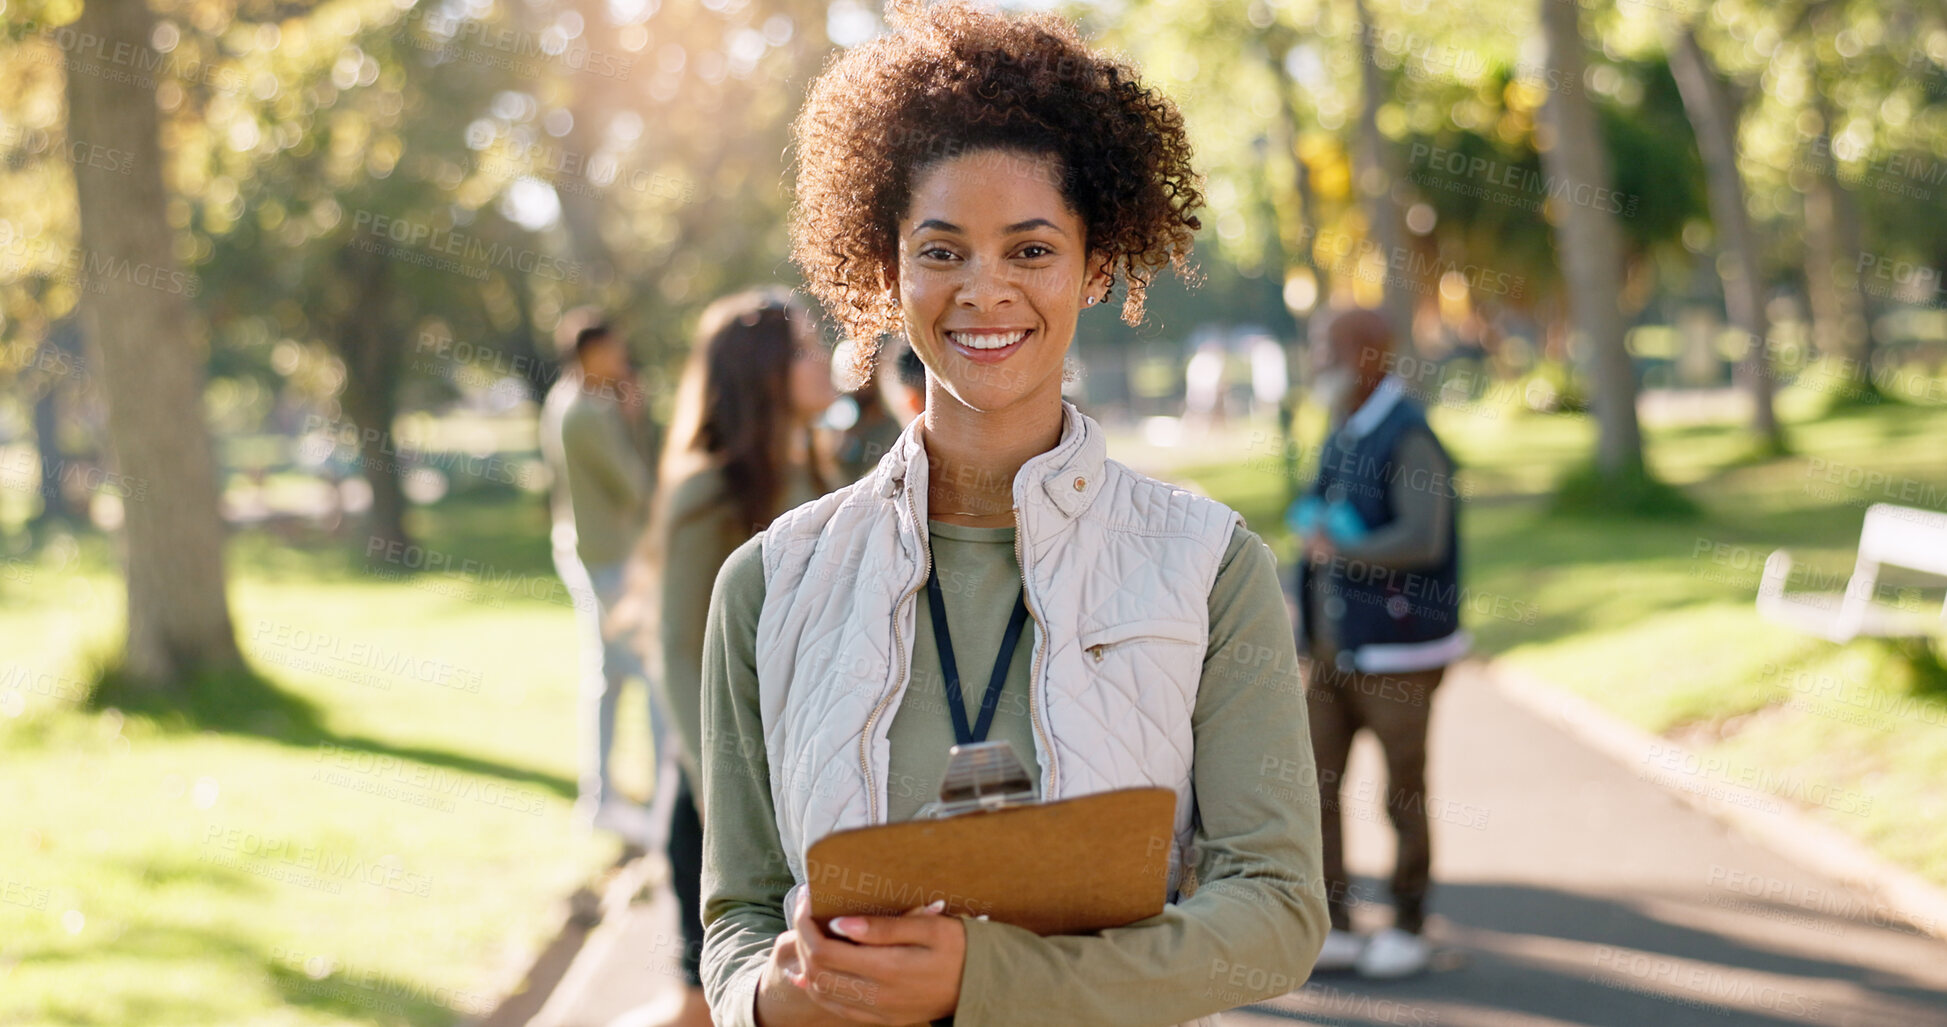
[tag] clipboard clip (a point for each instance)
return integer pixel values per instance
(981, 776)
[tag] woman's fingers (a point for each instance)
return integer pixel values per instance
(876, 969)
(844, 989)
(787, 950)
(809, 936)
(922, 928)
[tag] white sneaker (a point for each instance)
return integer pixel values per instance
(624, 818)
(1394, 953)
(1341, 951)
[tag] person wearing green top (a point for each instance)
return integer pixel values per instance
(1146, 975)
(974, 181)
(739, 453)
(600, 500)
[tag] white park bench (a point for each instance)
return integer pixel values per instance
(1893, 536)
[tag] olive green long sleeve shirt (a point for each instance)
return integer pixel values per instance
(608, 478)
(699, 529)
(1249, 929)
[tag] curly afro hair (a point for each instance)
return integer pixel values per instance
(952, 78)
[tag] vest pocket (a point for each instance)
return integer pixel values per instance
(1103, 641)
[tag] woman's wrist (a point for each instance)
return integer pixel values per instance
(779, 1003)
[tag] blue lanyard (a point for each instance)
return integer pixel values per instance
(951, 670)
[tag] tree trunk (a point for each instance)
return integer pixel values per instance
(372, 356)
(1282, 138)
(1375, 173)
(1590, 247)
(584, 208)
(1714, 120)
(135, 306)
(1841, 311)
(1308, 225)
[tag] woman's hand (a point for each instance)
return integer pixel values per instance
(781, 1003)
(868, 969)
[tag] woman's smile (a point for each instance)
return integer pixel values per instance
(987, 345)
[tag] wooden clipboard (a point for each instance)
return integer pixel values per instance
(1066, 867)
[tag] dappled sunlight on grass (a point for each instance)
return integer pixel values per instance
(1861, 734)
(1667, 667)
(372, 829)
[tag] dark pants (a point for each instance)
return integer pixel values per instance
(1395, 708)
(686, 877)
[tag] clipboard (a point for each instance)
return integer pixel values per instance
(1071, 866)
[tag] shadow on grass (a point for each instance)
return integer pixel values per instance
(1633, 493)
(313, 982)
(1921, 661)
(243, 702)
(368, 995)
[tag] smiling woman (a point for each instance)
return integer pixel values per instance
(976, 181)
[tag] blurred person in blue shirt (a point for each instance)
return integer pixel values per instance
(1379, 599)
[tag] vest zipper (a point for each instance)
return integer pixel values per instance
(1034, 663)
(903, 668)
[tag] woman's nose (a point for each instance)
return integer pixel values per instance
(988, 284)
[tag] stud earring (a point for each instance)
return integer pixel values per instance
(1091, 301)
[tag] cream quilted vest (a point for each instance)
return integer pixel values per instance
(1118, 569)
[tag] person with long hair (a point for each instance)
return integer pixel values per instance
(977, 182)
(740, 452)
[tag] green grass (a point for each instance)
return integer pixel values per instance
(1653, 617)
(376, 830)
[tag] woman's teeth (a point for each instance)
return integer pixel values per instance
(986, 340)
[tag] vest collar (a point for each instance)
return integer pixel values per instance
(1068, 476)
(1374, 409)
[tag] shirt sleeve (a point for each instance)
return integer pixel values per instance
(1254, 924)
(599, 446)
(1422, 495)
(745, 875)
(698, 546)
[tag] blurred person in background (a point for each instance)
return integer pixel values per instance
(904, 389)
(1203, 387)
(740, 451)
(859, 447)
(598, 500)
(561, 507)
(561, 510)
(1378, 588)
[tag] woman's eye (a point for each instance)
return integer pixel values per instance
(1035, 251)
(936, 253)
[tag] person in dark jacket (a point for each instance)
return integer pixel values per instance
(1379, 601)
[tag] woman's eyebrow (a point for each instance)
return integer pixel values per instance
(1017, 227)
(1023, 226)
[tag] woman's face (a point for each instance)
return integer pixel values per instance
(810, 378)
(993, 270)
